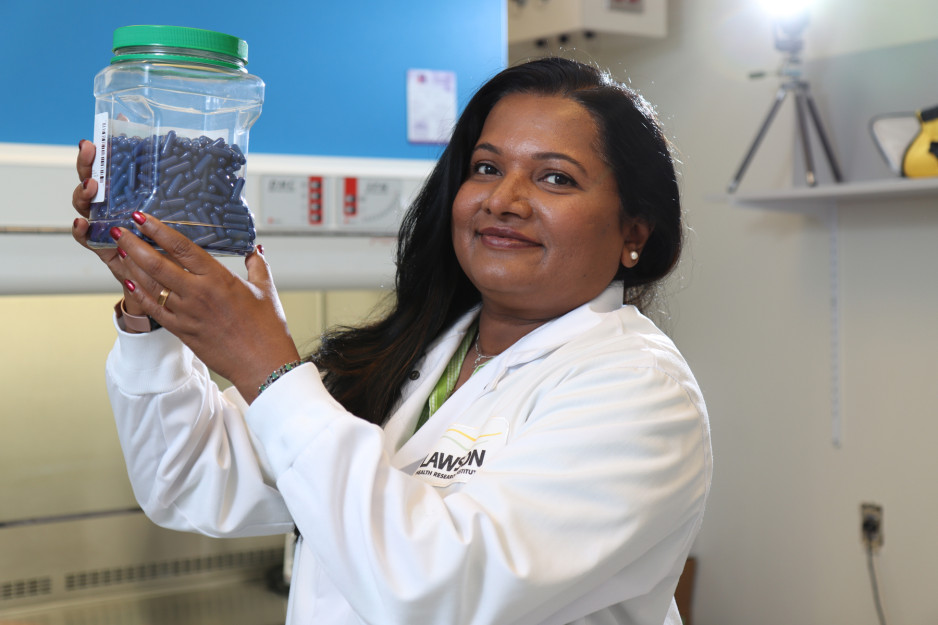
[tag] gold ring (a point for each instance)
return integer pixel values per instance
(164, 295)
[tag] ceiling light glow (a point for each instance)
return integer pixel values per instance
(783, 9)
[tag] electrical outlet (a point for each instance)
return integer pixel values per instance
(871, 524)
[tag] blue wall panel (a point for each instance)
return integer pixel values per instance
(335, 70)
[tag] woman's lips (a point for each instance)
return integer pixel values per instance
(505, 238)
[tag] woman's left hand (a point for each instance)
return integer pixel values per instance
(236, 327)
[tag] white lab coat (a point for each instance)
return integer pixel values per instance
(563, 483)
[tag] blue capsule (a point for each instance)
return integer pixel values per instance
(231, 219)
(168, 142)
(203, 163)
(206, 239)
(218, 182)
(181, 167)
(237, 235)
(166, 163)
(236, 190)
(150, 204)
(190, 188)
(239, 155)
(217, 200)
(173, 189)
(175, 204)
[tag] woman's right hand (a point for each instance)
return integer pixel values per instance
(81, 200)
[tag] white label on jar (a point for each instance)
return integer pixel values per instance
(99, 166)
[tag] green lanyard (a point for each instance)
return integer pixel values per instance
(447, 382)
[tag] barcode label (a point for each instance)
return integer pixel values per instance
(99, 167)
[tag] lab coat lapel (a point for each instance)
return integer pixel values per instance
(414, 450)
(400, 426)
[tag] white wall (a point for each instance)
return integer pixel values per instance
(844, 26)
(750, 310)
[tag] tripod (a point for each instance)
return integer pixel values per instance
(804, 107)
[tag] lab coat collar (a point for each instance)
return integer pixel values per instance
(555, 333)
(532, 346)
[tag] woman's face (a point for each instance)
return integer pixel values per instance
(536, 225)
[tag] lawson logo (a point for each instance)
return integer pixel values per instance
(461, 451)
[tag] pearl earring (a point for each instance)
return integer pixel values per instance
(633, 255)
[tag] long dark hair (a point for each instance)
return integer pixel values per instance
(365, 368)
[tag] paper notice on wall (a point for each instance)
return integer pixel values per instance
(431, 105)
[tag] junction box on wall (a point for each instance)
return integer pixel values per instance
(533, 20)
(871, 525)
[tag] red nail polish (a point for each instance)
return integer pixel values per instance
(121, 253)
(115, 233)
(260, 250)
(84, 183)
(130, 286)
(139, 217)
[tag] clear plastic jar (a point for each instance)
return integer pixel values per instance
(172, 116)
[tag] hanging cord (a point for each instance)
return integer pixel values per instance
(874, 584)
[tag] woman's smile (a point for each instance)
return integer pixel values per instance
(506, 238)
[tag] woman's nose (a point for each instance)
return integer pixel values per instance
(510, 195)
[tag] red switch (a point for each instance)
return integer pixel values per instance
(350, 198)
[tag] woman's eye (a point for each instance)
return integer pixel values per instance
(485, 169)
(559, 180)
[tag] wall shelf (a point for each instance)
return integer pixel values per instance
(849, 192)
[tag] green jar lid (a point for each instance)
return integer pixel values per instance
(209, 41)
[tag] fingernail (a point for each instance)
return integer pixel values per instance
(121, 252)
(139, 217)
(75, 223)
(84, 183)
(115, 233)
(130, 286)
(80, 143)
(260, 250)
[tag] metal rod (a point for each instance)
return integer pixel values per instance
(809, 176)
(62, 518)
(812, 109)
(836, 330)
(779, 98)
(34, 230)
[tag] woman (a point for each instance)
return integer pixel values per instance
(511, 444)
